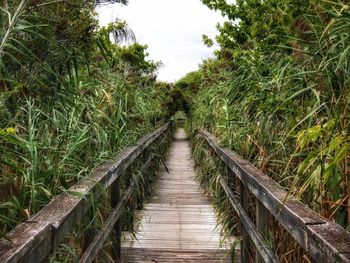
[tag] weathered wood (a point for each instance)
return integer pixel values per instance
(136, 255)
(107, 228)
(231, 180)
(33, 240)
(244, 204)
(179, 216)
(145, 167)
(262, 225)
(90, 233)
(249, 228)
(115, 191)
(128, 178)
(300, 221)
(328, 240)
(116, 231)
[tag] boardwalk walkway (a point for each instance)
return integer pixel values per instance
(178, 224)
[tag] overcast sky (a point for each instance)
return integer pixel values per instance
(172, 29)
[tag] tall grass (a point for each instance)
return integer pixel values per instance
(48, 147)
(64, 107)
(285, 107)
(279, 97)
(70, 250)
(278, 94)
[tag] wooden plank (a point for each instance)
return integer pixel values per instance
(248, 225)
(262, 225)
(231, 179)
(97, 243)
(329, 239)
(293, 215)
(128, 178)
(135, 255)
(116, 232)
(113, 223)
(179, 216)
(242, 205)
(90, 233)
(49, 227)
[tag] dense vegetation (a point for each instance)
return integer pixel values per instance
(278, 93)
(70, 98)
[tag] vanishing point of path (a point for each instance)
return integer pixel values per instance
(178, 224)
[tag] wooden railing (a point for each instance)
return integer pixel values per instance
(322, 239)
(35, 239)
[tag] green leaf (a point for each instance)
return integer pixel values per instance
(341, 154)
(344, 57)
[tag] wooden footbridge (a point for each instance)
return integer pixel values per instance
(177, 224)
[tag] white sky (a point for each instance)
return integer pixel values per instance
(172, 29)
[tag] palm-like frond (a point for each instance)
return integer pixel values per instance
(122, 32)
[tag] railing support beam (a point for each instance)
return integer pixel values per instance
(116, 233)
(90, 233)
(130, 215)
(262, 223)
(244, 234)
(230, 178)
(322, 239)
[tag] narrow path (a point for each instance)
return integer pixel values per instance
(178, 224)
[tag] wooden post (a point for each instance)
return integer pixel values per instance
(245, 237)
(130, 225)
(171, 124)
(116, 233)
(262, 220)
(231, 181)
(141, 195)
(128, 177)
(90, 233)
(230, 178)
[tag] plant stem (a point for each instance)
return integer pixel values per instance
(11, 25)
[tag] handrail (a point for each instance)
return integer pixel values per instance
(35, 239)
(322, 239)
(91, 252)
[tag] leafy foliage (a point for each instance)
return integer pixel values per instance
(70, 99)
(278, 93)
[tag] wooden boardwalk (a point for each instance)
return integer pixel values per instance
(178, 224)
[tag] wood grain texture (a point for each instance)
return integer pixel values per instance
(322, 239)
(178, 224)
(33, 240)
(174, 256)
